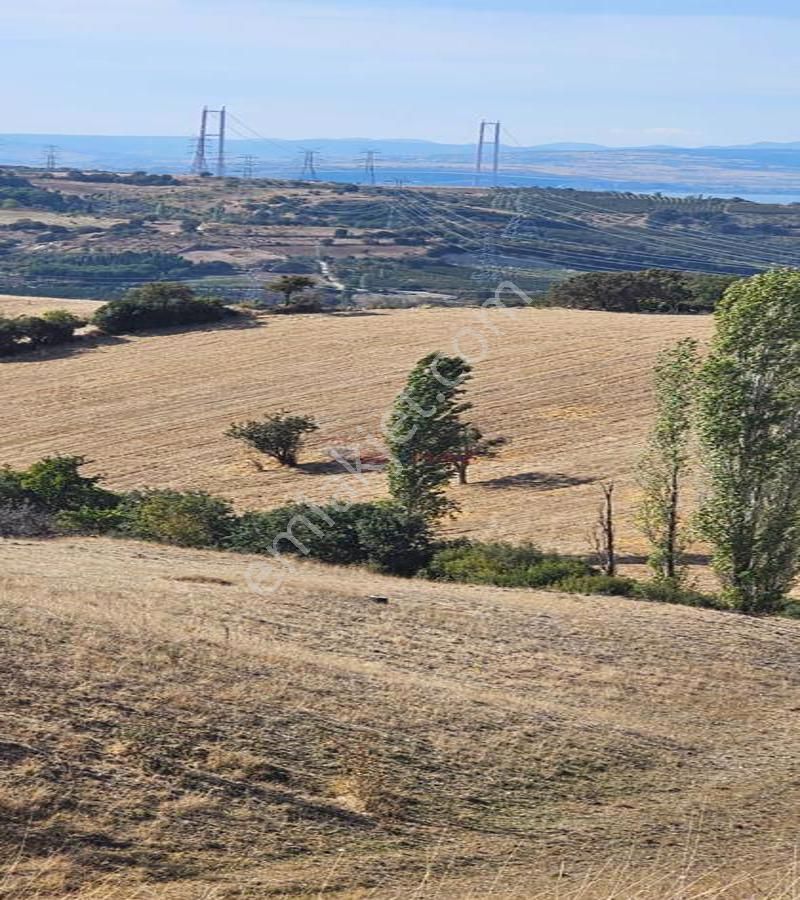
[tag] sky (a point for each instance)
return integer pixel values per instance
(616, 72)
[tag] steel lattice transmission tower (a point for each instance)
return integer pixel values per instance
(488, 128)
(369, 165)
(210, 143)
(51, 157)
(248, 166)
(309, 172)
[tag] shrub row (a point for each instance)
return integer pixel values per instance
(507, 565)
(503, 565)
(51, 496)
(381, 535)
(651, 290)
(157, 305)
(31, 332)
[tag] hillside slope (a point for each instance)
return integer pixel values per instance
(163, 724)
(571, 389)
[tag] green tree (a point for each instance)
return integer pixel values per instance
(473, 445)
(749, 429)
(424, 433)
(55, 484)
(279, 435)
(666, 460)
(289, 285)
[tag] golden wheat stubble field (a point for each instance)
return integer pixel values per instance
(571, 389)
(163, 726)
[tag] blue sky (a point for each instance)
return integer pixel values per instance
(620, 72)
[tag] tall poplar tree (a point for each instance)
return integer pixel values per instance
(666, 461)
(749, 428)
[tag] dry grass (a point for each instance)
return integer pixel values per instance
(167, 733)
(571, 390)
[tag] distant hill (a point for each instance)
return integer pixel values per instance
(763, 170)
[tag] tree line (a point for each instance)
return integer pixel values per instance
(735, 417)
(152, 306)
(646, 291)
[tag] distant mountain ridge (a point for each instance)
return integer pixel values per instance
(762, 169)
(12, 146)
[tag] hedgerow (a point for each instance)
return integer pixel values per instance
(52, 497)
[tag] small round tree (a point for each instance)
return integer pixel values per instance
(474, 445)
(289, 285)
(279, 435)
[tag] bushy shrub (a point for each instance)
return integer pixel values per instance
(10, 335)
(555, 570)
(376, 534)
(11, 489)
(61, 326)
(502, 564)
(158, 305)
(311, 305)
(394, 542)
(50, 494)
(187, 519)
(665, 591)
(610, 585)
(90, 520)
(24, 519)
(327, 533)
(52, 328)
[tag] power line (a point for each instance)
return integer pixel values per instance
(691, 249)
(465, 233)
(255, 134)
